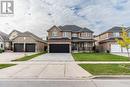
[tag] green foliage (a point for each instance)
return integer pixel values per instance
(125, 42)
(25, 58)
(1, 50)
(107, 69)
(6, 65)
(98, 57)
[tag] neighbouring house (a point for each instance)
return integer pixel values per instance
(106, 42)
(70, 38)
(26, 42)
(4, 41)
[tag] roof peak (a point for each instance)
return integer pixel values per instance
(74, 28)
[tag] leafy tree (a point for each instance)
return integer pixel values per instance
(125, 41)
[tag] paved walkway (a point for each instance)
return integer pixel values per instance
(55, 62)
(44, 67)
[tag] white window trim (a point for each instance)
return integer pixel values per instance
(54, 34)
(74, 35)
(116, 34)
(65, 34)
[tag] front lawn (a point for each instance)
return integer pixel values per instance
(107, 69)
(98, 57)
(25, 58)
(6, 65)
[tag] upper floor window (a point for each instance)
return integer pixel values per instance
(88, 34)
(116, 34)
(82, 34)
(54, 34)
(65, 34)
(74, 35)
(129, 34)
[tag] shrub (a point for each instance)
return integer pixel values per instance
(1, 50)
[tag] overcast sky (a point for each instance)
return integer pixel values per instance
(38, 16)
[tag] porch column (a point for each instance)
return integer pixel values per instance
(48, 48)
(77, 46)
(24, 47)
(12, 47)
(37, 49)
(70, 48)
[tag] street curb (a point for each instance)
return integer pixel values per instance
(111, 76)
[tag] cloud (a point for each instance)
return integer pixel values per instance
(39, 15)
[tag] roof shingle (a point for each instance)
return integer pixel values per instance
(74, 28)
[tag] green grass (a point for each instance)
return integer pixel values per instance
(107, 69)
(98, 57)
(25, 58)
(6, 65)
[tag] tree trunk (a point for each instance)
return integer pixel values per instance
(128, 53)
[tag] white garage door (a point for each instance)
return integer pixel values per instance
(115, 48)
(124, 50)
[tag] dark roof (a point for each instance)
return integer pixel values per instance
(74, 28)
(128, 28)
(115, 29)
(4, 36)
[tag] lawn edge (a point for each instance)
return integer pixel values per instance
(26, 58)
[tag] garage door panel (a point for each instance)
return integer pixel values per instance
(30, 47)
(115, 48)
(124, 50)
(59, 48)
(18, 47)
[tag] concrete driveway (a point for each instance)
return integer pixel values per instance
(47, 66)
(55, 57)
(8, 56)
(121, 54)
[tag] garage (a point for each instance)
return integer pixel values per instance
(116, 48)
(59, 48)
(18, 47)
(30, 47)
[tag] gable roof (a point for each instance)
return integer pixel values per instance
(128, 29)
(28, 34)
(71, 28)
(15, 31)
(74, 28)
(54, 27)
(4, 36)
(115, 29)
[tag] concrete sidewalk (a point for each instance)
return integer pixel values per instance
(45, 70)
(62, 62)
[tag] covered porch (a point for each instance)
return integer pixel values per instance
(82, 46)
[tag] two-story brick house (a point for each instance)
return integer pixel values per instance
(69, 38)
(106, 41)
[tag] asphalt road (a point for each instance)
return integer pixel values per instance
(65, 83)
